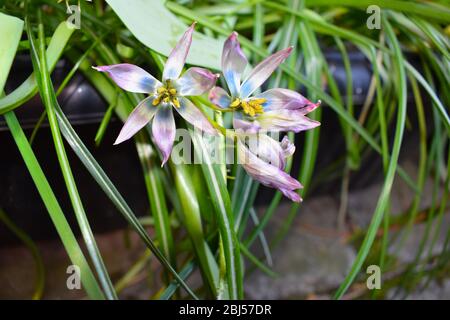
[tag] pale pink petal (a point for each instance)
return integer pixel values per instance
(263, 71)
(286, 99)
(244, 125)
(130, 77)
(265, 148)
(286, 120)
(219, 97)
(164, 129)
(233, 63)
(266, 174)
(287, 146)
(140, 116)
(196, 81)
(292, 195)
(175, 62)
(194, 116)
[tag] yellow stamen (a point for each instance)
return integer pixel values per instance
(161, 89)
(175, 102)
(251, 107)
(156, 101)
(235, 103)
(166, 93)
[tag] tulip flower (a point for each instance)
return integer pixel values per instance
(171, 93)
(274, 110)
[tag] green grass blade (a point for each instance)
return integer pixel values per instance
(49, 99)
(387, 185)
(111, 191)
(14, 27)
(172, 288)
(99, 175)
(261, 266)
(29, 87)
(222, 204)
(437, 103)
(158, 205)
(422, 9)
(193, 223)
(48, 197)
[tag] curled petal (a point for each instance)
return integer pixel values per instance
(177, 57)
(196, 81)
(130, 77)
(287, 146)
(219, 97)
(286, 120)
(263, 71)
(163, 129)
(265, 148)
(194, 116)
(140, 116)
(267, 174)
(286, 99)
(233, 63)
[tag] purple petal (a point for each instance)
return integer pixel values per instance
(219, 97)
(130, 77)
(286, 120)
(293, 195)
(263, 71)
(140, 116)
(245, 126)
(286, 99)
(194, 116)
(196, 81)
(233, 63)
(267, 174)
(177, 58)
(163, 129)
(287, 146)
(266, 149)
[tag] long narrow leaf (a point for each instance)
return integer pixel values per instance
(387, 185)
(49, 98)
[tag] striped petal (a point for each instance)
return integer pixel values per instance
(194, 116)
(267, 174)
(130, 77)
(284, 120)
(177, 58)
(263, 71)
(286, 99)
(266, 149)
(196, 81)
(233, 63)
(140, 116)
(163, 129)
(219, 97)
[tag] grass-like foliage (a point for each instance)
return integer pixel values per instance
(203, 217)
